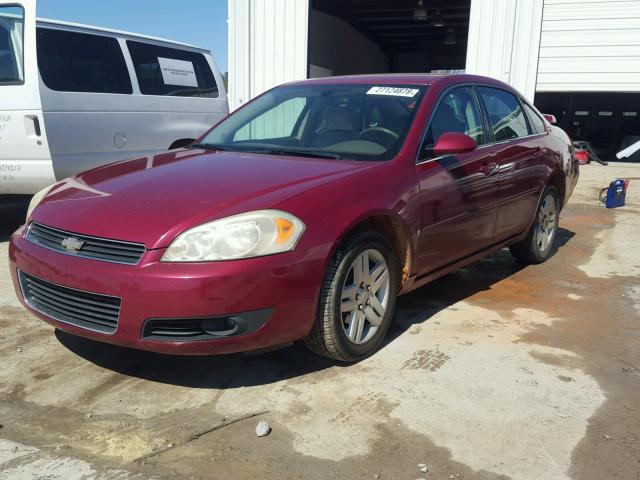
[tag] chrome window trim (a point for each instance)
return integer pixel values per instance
(20, 273)
(480, 147)
(77, 255)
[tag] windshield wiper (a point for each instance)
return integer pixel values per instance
(302, 153)
(207, 146)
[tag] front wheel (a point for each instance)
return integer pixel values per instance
(357, 299)
(539, 244)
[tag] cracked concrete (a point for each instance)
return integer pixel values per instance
(496, 371)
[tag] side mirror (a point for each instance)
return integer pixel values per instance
(454, 142)
(550, 118)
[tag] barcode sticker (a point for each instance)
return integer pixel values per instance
(394, 91)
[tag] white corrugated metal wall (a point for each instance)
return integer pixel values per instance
(267, 45)
(569, 45)
(504, 37)
(590, 45)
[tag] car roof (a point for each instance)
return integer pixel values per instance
(101, 30)
(414, 79)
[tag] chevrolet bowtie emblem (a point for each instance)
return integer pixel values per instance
(72, 244)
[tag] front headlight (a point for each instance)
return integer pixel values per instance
(247, 235)
(36, 199)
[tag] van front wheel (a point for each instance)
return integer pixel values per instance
(183, 142)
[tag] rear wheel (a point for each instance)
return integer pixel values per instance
(539, 244)
(357, 299)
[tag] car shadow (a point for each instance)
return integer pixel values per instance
(241, 370)
(423, 303)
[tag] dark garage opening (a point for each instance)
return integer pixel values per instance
(382, 36)
(609, 121)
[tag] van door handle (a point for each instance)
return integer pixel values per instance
(490, 169)
(540, 152)
(34, 128)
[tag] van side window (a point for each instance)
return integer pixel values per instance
(172, 72)
(11, 52)
(537, 124)
(505, 112)
(80, 62)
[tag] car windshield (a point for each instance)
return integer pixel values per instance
(358, 122)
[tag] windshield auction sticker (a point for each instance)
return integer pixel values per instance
(393, 91)
(177, 72)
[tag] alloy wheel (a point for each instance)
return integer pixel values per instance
(365, 296)
(547, 223)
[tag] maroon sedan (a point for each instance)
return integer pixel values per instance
(300, 216)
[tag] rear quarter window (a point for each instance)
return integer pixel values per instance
(81, 62)
(537, 124)
(172, 72)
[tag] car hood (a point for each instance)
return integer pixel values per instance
(153, 199)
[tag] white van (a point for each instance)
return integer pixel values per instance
(73, 97)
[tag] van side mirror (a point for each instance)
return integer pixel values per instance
(454, 142)
(550, 118)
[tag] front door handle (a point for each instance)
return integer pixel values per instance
(490, 169)
(540, 152)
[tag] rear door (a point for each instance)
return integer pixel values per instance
(458, 193)
(25, 163)
(521, 158)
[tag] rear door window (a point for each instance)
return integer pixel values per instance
(81, 62)
(11, 40)
(537, 124)
(172, 72)
(505, 112)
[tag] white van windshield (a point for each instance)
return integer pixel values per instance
(11, 50)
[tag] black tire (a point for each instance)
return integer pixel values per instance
(183, 142)
(328, 337)
(531, 250)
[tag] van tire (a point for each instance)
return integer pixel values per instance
(183, 142)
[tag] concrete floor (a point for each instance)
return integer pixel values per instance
(496, 371)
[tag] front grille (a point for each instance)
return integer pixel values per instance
(76, 307)
(84, 245)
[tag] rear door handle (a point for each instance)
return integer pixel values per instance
(490, 169)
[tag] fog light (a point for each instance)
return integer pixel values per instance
(219, 327)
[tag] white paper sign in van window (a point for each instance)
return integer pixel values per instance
(177, 72)
(393, 91)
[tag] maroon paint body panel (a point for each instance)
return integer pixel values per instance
(450, 208)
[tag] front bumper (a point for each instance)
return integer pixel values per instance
(287, 284)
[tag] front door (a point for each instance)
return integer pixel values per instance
(458, 193)
(25, 163)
